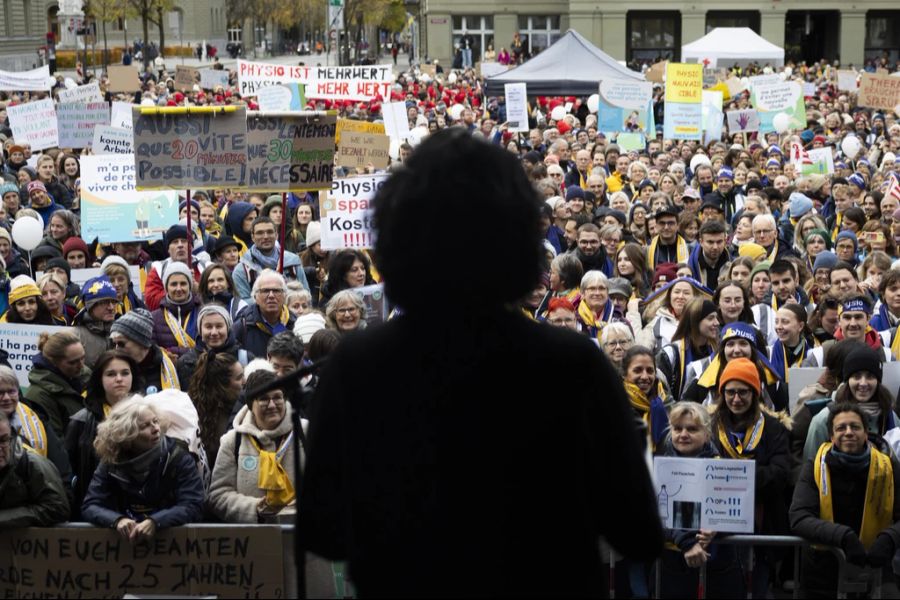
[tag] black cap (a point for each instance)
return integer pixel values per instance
(176, 232)
(668, 211)
(223, 242)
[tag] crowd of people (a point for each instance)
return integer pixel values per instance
(703, 272)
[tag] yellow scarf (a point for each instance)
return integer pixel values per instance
(879, 505)
(641, 403)
(106, 409)
(169, 374)
(32, 429)
(895, 345)
(710, 377)
(681, 251)
(124, 306)
(589, 319)
(272, 476)
(774, 253)
(179, 330)
(283, 318)
(747, 446)
(838, 221)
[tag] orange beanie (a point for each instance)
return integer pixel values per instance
(743, 370)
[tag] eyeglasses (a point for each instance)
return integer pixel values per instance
(277, 400)
(744, 394)
(617, 343)
(561, 321)
(270, 292)
(6, 440)
(346, 311)
(13, 393)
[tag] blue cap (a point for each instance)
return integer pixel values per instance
(774, 149)
(825, 260)
(848, 235)
(725, 173)
(773, 162)
(858, 180)
(807, 136)
(800, 205)
(574, 191)
(97, 289)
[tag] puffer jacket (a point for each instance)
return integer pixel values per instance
(235, 493)
(251, 333)
(163, 336)
(31, 492)
(52, 396)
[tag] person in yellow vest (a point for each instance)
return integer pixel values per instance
(846, 497)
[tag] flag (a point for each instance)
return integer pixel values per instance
(894, 188)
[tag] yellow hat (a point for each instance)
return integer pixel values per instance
(25, 289)
(752, 250)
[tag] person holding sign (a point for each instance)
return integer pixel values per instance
(847, 496)
(175, 321)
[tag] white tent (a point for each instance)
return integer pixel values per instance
(726, 46)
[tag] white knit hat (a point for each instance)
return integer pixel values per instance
(306, 325)
(313, 233)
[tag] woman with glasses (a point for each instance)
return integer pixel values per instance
(345, 312)
(57, 378)
(616, 339)
(175, 321)
(253, 479)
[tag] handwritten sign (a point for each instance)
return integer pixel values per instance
(20, 341)
(355, 125)
(700, 493)
(740, 121)
(254, 75)
(181, 561)
(112, 140)
(773, 98)
(123, 78)
(113, 210)
(210, 79)
(36, 80)
(756, 80)
(185, 77)
(358, 83)
(846, 80)
(657, 72)
(683, 107)
(77, 123)
(516, 106)
(35, 122)
(879, 91)
(347, 212)
(82, 93)
(290, 153)
(357, 150)
(121, 115)
(190, 150)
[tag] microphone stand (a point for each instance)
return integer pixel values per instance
(291, 381)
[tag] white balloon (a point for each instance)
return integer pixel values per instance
(456, 111)
(558, 113)
(593, 103)
(451, 78)
(27, 233)
(699, 159)
(781, 122)
(850, 145)
(788, 71)
(417, 134)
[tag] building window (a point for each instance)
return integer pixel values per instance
(7, 17)
(653, 36)
(882, 35)
(732, 18)
(538, 33)
(480, 27)
(26, 6)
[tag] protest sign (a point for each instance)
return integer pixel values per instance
(211, 78)
(290, 153)
(255, 75)
(123, 78)
(36, 80)
(357, 150)
(83, 93)
(190, 149)
(756, 80)
(20, 341)
(624, 105)
(700, 493)
(684, 101)
(809, 89)
(396, 121)
(375, 302)
(77, 122)
(284, 97)
(358, 83)
(815, 161)
(783, 97)
(179, 561)
(630, 141)
(657, 72)
(516, 106)
(742, 121)
(347, 212)
(713, 119)
(121, 115)
(113, 210)
(112, 140)
(735, 86)
(35, 122)
(879, 91)
(430, 70)
(186, 77)
(846, 81)
(355, 125)
(80, 276)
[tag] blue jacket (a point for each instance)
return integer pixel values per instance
(252, 333)
(172, 494)
(247, 270)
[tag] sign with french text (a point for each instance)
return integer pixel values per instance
(287, 153)
(35, 122)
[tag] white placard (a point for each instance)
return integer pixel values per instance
(112, 140)
(347, 212)
(210, 78)
(121, 115)
(357, 83)
(36, 80)
(20, 341)
(846, 81)
(702, 493)
(516, 95)
(396, 120)
(274, 98)
(254, 75)
(35, 122)
(739, 121)
(84, 93)
(77, 123)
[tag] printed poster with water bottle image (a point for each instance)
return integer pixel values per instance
(714, 494)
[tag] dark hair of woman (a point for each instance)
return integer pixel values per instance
(204, 281)
(95, 383)
(43, 316)
(210, 393)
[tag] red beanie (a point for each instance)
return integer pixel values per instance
(75, 243)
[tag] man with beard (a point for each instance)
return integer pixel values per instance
(590, 251)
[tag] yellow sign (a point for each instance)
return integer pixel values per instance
(357, 127)
(684, 83)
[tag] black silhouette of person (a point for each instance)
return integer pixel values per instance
(462, 449)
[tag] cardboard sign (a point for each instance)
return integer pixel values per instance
(879, 91)
(111, 207)
(740, 121)
(290, 153)
(254, 75)
(625, 105)
(210, 79)
(112, 140)
(83, 93)
(701, 493)
(846, 81)
(121, 115)
(36, 80)
(185, 77)
(657, 72)
(123, 78)
(357, 150)
(35, 122)
(20, 341)
(773, 98)
(684, 106)
(396, 120)
(355, 125)
(358, 83)
(516, 95)
(347, 212)
(190, 150)
(77, 123)
(180, 561)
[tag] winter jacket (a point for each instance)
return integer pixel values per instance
(186, 313)
(658, 332)
(234, 493)
(187, 362)
(154, 291)
(16, 265)
(94, 336)
(171, 495)
(53, 397)
(247, 270)
(818, 429)
(252, 333)
(158, 371)
(31, 492)
(79, 443)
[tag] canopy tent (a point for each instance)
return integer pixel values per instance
(570, 67)
(728, 46)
